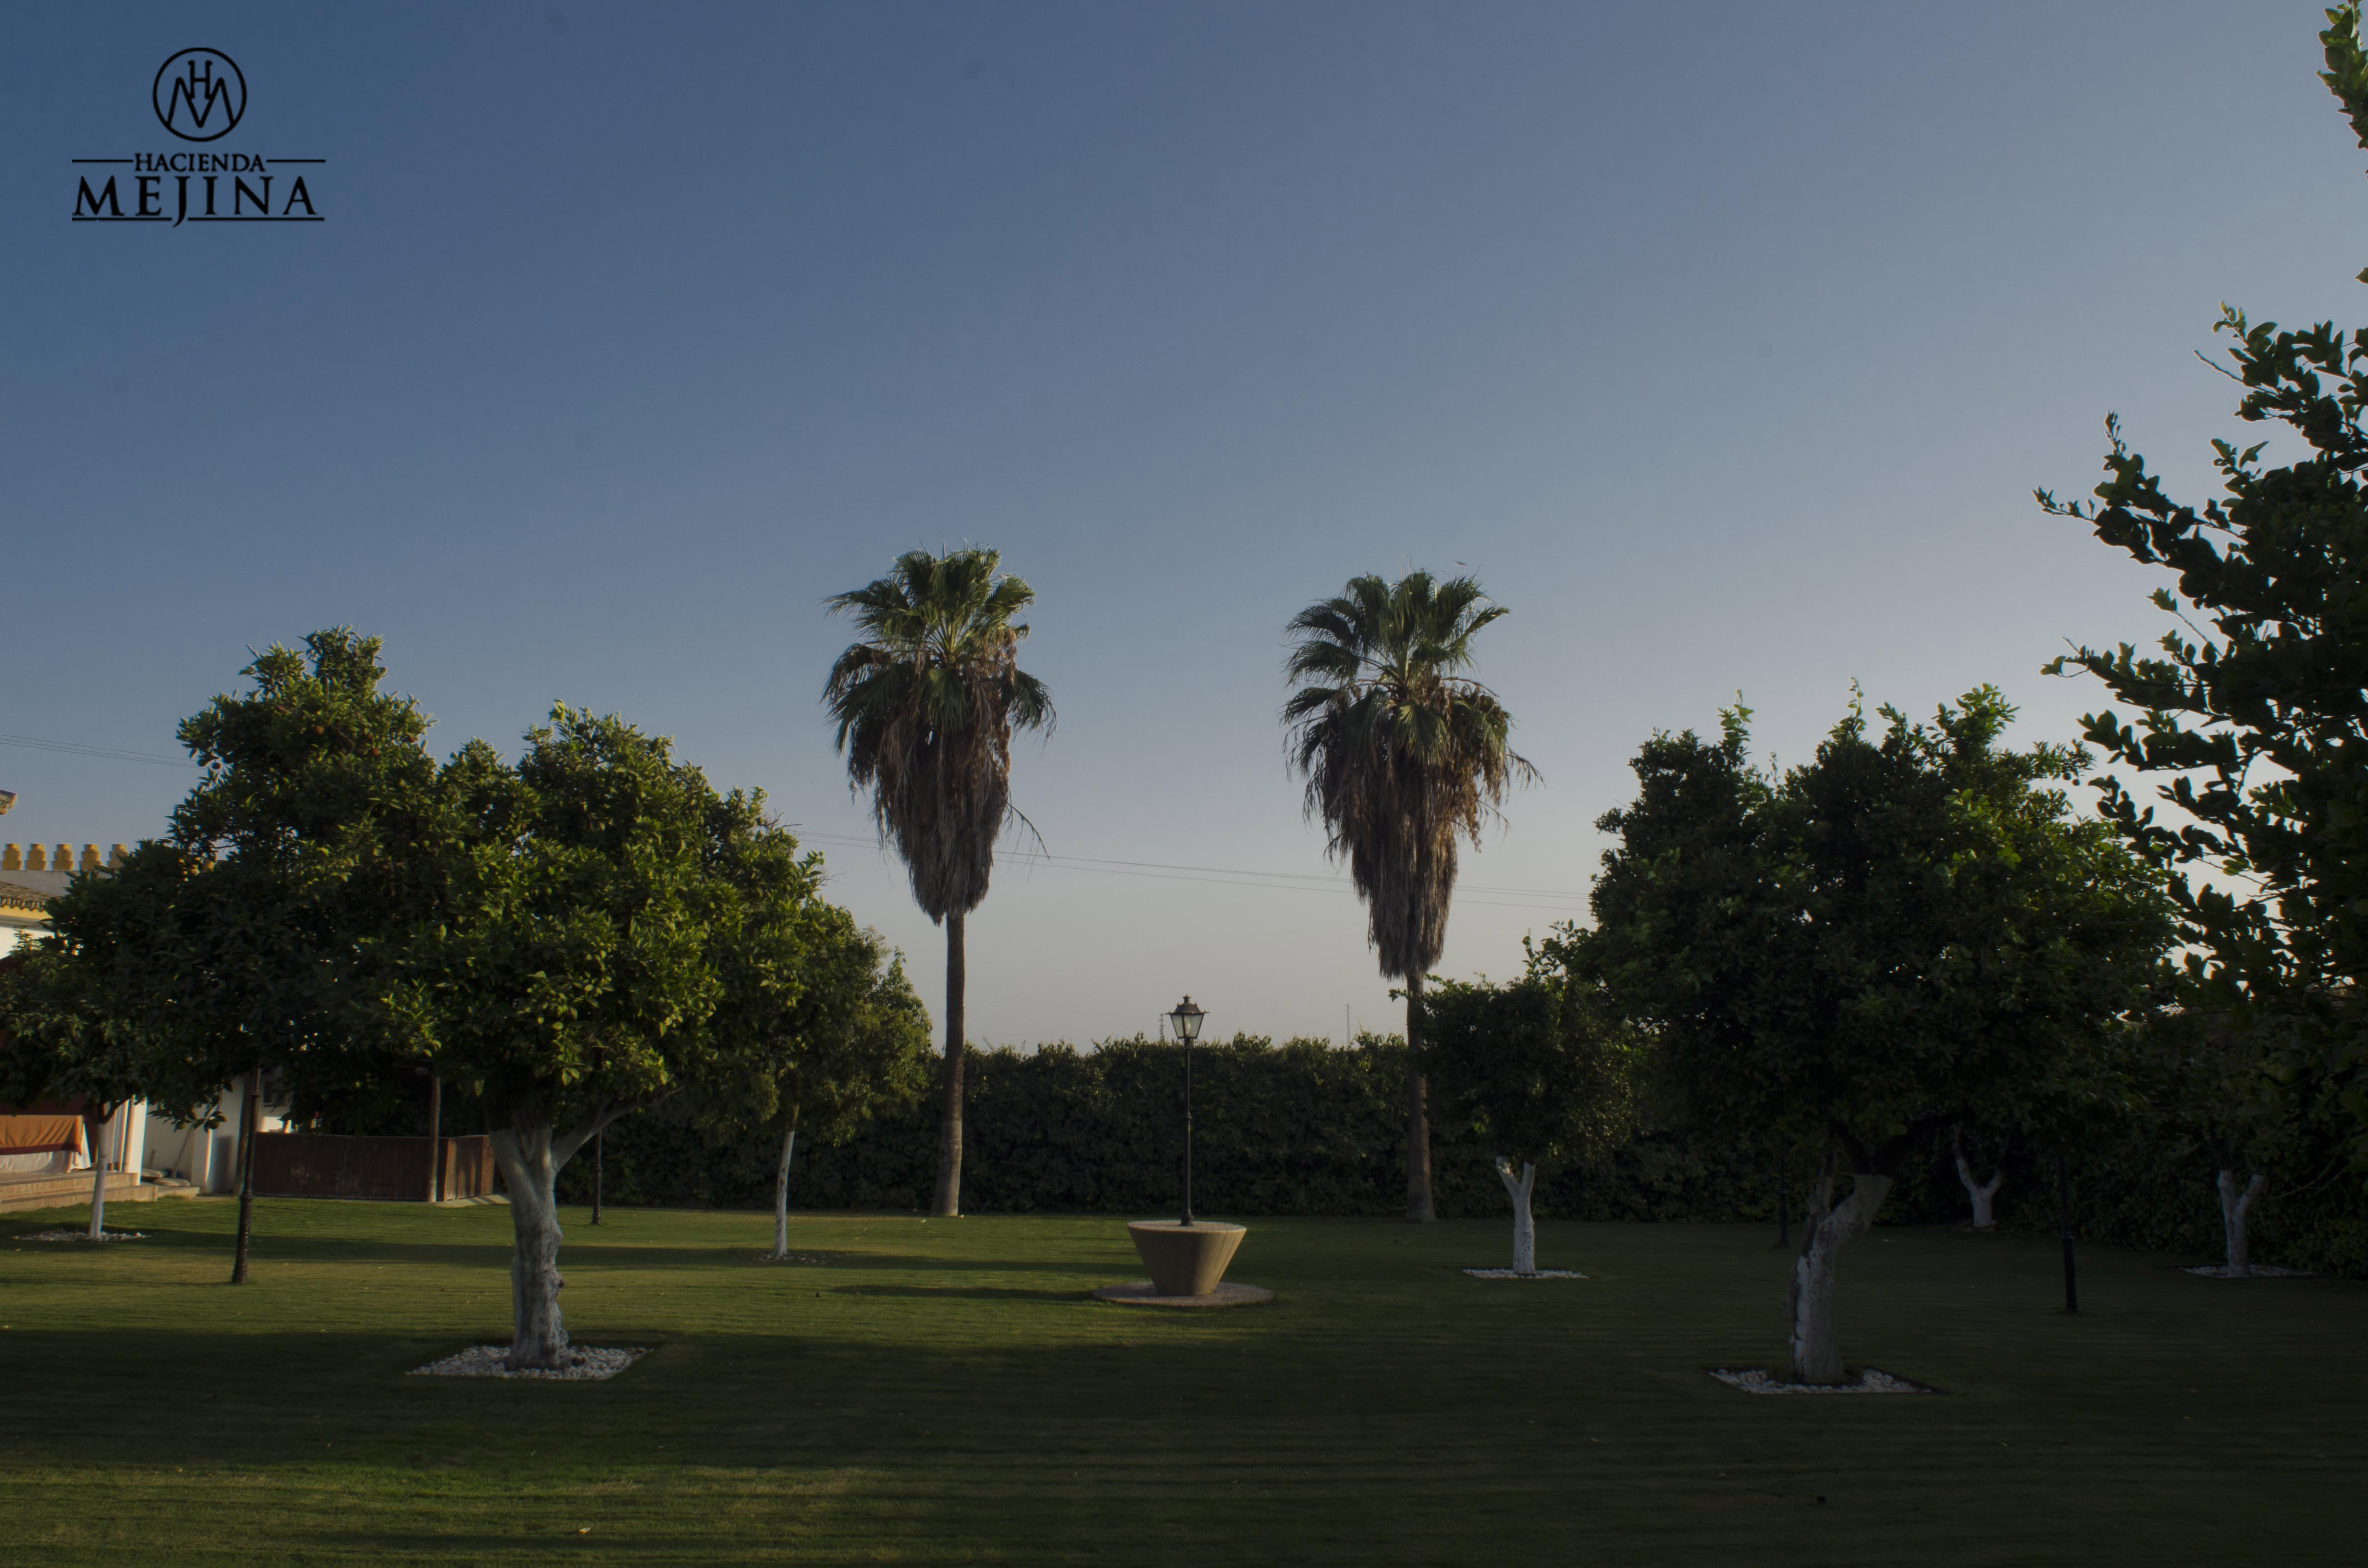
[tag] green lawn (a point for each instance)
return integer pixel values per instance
(945, 1391)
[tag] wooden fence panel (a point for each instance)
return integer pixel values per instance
(469, 1166)
(324, 1164)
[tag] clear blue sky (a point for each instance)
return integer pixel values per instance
(1725, 344)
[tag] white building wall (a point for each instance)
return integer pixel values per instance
(206, 1157)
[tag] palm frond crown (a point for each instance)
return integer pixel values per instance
(926, 703)
(1402, 753)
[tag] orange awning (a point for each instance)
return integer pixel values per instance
(39, 1134)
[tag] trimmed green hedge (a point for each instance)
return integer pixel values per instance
(1306, 1128)
(1302, 1127)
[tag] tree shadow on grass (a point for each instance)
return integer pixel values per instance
(278, 1395)
(972, 1292)
(900, 1262)
(583, 1249)
(576, 1256)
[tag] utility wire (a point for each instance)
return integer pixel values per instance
(1543, 900)
(1547, 900)
(112, 753)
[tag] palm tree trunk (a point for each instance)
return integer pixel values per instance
(947, 1200)
(1419, 1205)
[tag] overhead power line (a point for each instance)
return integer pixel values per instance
(1553, 901)
(112, 753)
(1545, 900)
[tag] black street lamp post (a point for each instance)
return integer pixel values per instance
(1187, 1259)
(1186, 1019)
(2063, 1228)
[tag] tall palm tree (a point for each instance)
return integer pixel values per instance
(1402, 755)
(925, 705)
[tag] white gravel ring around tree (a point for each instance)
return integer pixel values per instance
(80, 1236)
(590, 1364)
(1757, 1381)
(2258, 1272)
(1533, 1274)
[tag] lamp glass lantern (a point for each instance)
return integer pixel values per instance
(1187, 1021)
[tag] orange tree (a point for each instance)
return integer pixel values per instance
(854, 1046)
(607, 931)
(2255, 715)
(1904, 932)
(1536, 1069)
(306, 836)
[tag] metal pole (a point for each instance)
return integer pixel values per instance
(596, 1151)
(435, 1138)
(2064, 1208)
(1188, 1133)
(248, 1110)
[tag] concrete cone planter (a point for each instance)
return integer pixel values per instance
(1185, 1260)
(1188, 1267)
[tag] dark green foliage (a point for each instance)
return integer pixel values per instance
(2255, 723)
(2142, 1188)
(1302, 1127)
(852, 1041)
(1908, 930)
(1322, 1111)
(609, 930)
(1538, 1070)
(76, 1016)
(309, 836)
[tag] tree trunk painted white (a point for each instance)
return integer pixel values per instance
(1827, 1228)
(2235, 1209)
(1983, 1193)
(92, 1131)
(538, 1337)
(1525, 1226)
(531, 1157)
(781, 1194)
